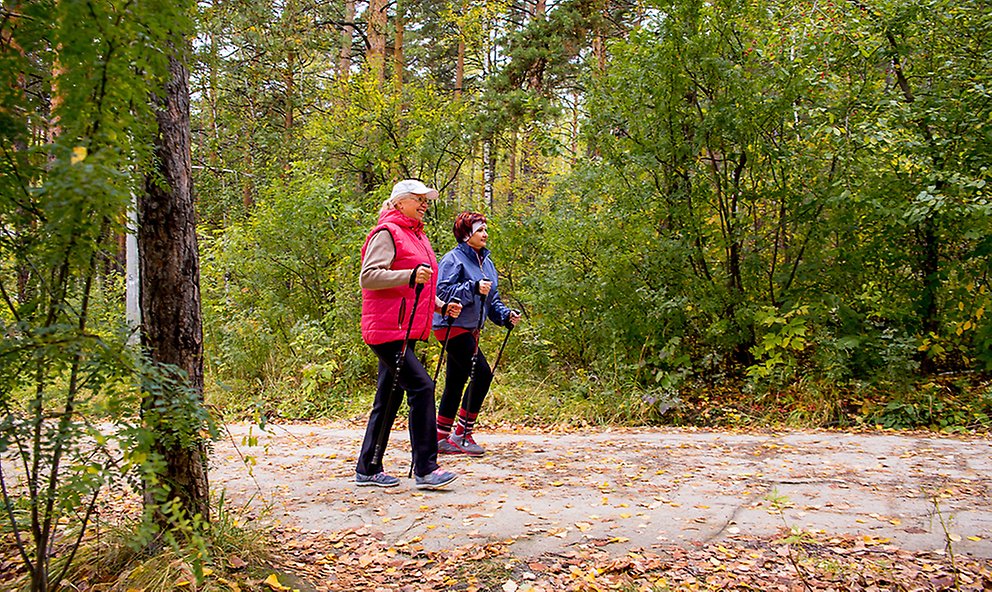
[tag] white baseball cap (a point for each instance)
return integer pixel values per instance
(411, 186)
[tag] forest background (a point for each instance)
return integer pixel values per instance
(710, 213)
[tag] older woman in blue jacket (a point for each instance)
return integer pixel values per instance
(467, 273)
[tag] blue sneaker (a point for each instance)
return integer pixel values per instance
(380, 479)
(436, 480)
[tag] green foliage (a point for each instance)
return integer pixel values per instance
(75, 136)
(779, 347)
(945, 407)
(281, 304)
(761, 212)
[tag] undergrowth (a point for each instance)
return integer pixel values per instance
(125, 555)
(576, 398)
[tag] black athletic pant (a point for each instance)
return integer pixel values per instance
(419, 388)
(459, 365)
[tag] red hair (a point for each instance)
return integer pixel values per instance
(463, 225)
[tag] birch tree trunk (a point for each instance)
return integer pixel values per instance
(488, 172)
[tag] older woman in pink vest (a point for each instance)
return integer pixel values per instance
(399, 288)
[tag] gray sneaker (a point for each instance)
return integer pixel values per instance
(436, 480)
(380, 479)
(446, 446)
(466, 444)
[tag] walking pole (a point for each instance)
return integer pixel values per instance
(505, 339)
(437, 371)
(475, 353)
(400, 358)
(444, 345)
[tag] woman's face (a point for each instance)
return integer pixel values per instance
(478, 238)
(413, 207)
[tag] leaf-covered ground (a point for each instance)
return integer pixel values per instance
(605, 509)
(359, 559)
(629, 510)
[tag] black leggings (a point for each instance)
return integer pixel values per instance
(460, 350)
(419, 388)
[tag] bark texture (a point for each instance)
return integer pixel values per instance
(172, 330)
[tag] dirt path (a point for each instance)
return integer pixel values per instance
(630, 489)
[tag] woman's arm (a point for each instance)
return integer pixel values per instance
(376, 273)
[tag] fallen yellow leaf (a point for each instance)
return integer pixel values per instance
(273, 582)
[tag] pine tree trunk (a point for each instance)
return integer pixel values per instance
(172, 330)
(377, 38)
(347, 35)
(460, 67)
(398, 49)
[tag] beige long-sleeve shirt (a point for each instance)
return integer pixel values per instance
(376, 273)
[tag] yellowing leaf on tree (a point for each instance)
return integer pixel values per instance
(273, 582)
(78, 154)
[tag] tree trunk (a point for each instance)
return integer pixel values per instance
(398, 49)
(460, 67)
(488, 172)
(247, 185)
(377, 38)
(290, 84)
(511, 174)
(347, 36)
(172, 331)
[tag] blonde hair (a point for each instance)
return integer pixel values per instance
(387, 205)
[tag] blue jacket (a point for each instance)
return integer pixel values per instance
(458, 276)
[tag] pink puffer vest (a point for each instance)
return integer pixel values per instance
(384, 315)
